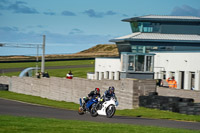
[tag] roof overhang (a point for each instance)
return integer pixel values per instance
(158, 38)
(162, 18)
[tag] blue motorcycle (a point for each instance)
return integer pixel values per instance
(87, 105)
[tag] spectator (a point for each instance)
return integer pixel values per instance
(69, 75)
(172, 82)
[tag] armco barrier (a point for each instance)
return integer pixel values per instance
(70, 90)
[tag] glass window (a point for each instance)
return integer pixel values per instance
(131, 63)
(145, 27)
(139, 63)
(149, 63)
(134, 27)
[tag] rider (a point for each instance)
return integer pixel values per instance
(92, 94)
(95, 93)
(109, 93)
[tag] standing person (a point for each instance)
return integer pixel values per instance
(69, 75)
(172, 82)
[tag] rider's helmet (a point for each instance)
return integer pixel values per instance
(97, 90)
(111, 89)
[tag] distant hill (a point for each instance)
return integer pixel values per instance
(100, 50)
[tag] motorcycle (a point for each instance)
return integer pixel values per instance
(86, 106)
(107, 108)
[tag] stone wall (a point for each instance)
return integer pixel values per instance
(61, 89)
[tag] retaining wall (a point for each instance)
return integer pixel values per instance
(162, 91)
(70, 90)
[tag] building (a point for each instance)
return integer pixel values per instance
(158, 47)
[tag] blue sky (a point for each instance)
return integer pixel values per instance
(80, 23)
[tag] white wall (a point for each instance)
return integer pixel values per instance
(177, 61)
(187, 62)
(107, 64)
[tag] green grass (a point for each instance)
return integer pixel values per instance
(15, 124)
(77, 72)
(139, 112)
(157, 114)
(38, 100)
(51, 63)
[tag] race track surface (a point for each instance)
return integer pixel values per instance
(10, 107)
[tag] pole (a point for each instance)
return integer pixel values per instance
(43, 56)
(37, 60)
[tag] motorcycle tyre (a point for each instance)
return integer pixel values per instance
(91, 111)
(80, 111)
(113, 112)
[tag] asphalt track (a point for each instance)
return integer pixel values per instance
(10, 107)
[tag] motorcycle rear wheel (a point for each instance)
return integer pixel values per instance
(110, 111)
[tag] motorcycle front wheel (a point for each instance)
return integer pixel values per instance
(93, 111)
(110, 111)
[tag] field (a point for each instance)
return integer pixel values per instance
(77, 72)
(12, 124)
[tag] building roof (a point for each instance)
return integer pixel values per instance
(163, 18)
(158, 37)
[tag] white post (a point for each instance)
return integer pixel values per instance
(156, 75)
(96, 75)
(106, 75)
(197, 80)
(178, 79)
(187, 81)
(43, 56)
(116, 75)
(100, 76)
(37, 60)
(111, 75)
(160, 75)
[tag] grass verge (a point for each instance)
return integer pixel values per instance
(77, 72)
(38, 100)
(139, 112)
(51, 63)
(12, 124)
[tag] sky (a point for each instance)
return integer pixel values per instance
(74, 25)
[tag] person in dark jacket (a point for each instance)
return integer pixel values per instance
(92, 94)
(95, 93)
(109, 93)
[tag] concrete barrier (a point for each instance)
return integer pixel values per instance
(70, 90)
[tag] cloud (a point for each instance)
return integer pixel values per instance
(13, 34)
(124, 15)
(18, 7)
(4, 2)
(6, 28)
(68, 13)
(50, 13)
(185, 10)
(75, 31)
(93, 13)
(110, 13)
